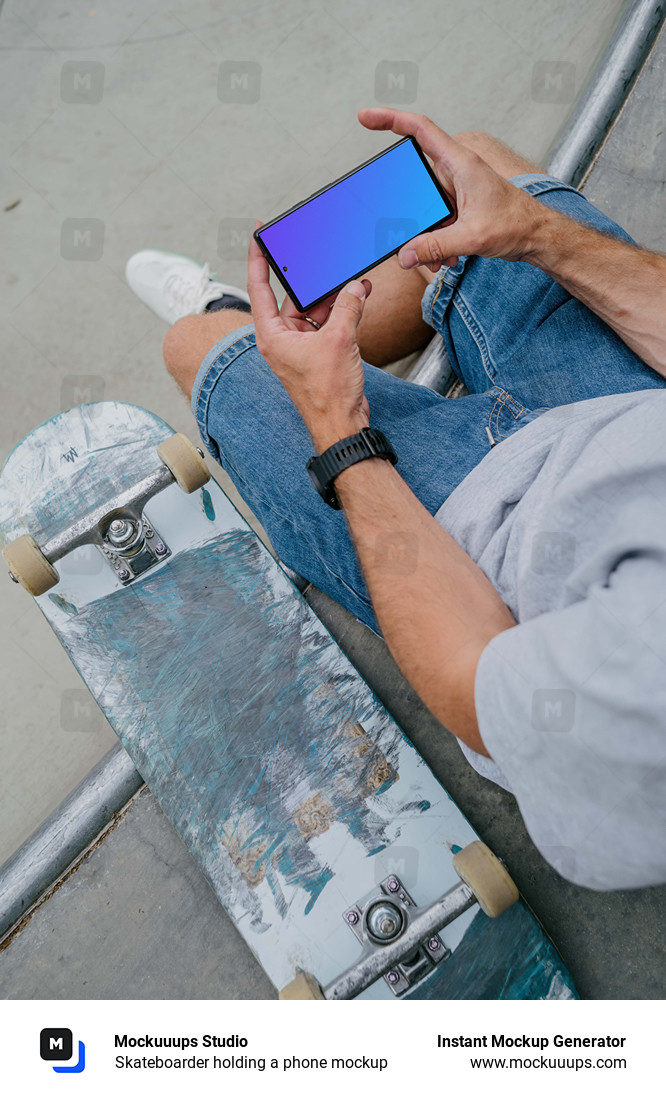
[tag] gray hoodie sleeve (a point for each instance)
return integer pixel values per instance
(572, 708)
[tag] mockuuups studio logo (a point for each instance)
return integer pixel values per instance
(79, 712)
(239, 82)
(397, 861)
(553, 710)
(553, 81)
(392, 233)
(82, 239)
(553, 553)
(397, 553)
(233, 238)
(56, 1044)
(396, 81)
(82, 82)
(81, 389)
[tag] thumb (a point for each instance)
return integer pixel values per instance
(348, 309)
(432, 248)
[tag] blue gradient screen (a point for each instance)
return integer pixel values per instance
(356, 222)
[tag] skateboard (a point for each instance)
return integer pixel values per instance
(339, 857)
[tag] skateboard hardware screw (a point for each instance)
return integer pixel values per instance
(434, 944)
(393, 885)
(123, 574)
(352, 917)
(384, 921)
(159, 548)
(121, 531)
(393, 977)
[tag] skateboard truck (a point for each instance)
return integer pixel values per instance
(119, 527)
(385, 918)
(401, 941)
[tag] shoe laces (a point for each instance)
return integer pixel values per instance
(185, 296)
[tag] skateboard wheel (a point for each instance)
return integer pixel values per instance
(304, 987)
(487, 878)
(27, 563)
(186, 464)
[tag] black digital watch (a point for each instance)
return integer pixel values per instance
(323, 469)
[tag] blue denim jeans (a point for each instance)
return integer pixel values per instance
(519, 342)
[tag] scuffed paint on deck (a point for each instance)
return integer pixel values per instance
(236, 711)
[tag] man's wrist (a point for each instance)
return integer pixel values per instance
(325, 432)
(545, 238)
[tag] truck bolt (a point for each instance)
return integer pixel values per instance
(434, 943)
(351, 917)
(393, 977)
(393, 885)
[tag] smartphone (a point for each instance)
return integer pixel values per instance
(353, 224)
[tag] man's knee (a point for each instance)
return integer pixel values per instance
(177, 341)
(181, 350)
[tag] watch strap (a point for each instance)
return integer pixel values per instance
(324, 468)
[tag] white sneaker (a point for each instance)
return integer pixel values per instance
(174, 286)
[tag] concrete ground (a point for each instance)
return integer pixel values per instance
(134, 124)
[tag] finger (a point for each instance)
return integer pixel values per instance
(430, 248)
(262, 298)
(439, 146)
(318, 313)
(348, 309)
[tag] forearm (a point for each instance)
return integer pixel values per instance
(436, 608)
(622, 284)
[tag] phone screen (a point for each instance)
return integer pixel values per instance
(353, 224)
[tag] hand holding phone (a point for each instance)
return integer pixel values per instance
(495, 219)
(354, 224)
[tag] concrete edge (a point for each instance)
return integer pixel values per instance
(588, 123)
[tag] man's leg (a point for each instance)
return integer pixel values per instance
(189, 340)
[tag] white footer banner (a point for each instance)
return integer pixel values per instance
(161, 1049)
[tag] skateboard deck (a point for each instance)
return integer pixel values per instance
(286, 779)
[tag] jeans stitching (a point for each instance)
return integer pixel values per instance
(434, 301)
(507, 401)
(477, 334)
(216, 362)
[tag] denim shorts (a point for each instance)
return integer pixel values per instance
(519, 342)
